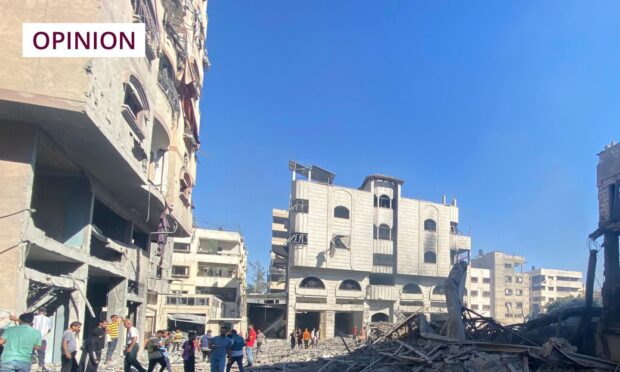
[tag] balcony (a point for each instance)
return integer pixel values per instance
(311, 292)
(460, 242)
(381, 246)
(381, 292)
(144, 14)
(168, 86)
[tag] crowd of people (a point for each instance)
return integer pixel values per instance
(304, 339)
(25, 343)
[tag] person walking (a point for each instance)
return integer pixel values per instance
(236, 351)
(93, 346)
(18, 343)
(112, 330)
(205, 340)
(43, 324)
(131, 348)
(312, 338)
(189, 352)
(300, 338)
(260, 340)
(154, 349)
(318, 336)
(249, 342)
(166, 343)
(177, 340)
(220, 347)
(69, 348)
(293, 338)
(306, 338)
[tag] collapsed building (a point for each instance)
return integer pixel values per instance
(208, 286)
(98, 158)
(360, 255)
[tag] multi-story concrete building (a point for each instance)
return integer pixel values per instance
(478, 290)
(548, 285)
(509, 286)
(366, 254)
(608, 184)
(278, 266)
(208, 282)
(96, 156)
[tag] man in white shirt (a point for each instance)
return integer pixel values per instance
(131, 348)
(42, 324)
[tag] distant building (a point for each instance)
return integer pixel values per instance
(478, 295)
(548, 285)
(509, 286)
(208, 282)
(365, 254)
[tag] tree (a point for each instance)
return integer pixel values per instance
(565, 303)
(258, 284)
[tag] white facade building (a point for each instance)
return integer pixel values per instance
(478, 296)
(549, 285)
(209, 282)
(367, 254)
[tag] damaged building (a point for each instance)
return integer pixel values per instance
(208, 282)
(365, 254)
(98, 158)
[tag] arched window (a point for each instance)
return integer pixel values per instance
(341, 212)
(135, 106)
(412, 289)
(384, 232)
(439, 290)
(312, 282)
(384, 201)
(430, 225)
(379, 317)
(430, 257)
(350, 285)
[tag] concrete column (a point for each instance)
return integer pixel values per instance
(17, 160)
(77, 305)
(330, 321)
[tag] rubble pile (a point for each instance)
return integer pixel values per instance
(413, 345)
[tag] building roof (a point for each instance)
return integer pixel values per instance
(381, 177)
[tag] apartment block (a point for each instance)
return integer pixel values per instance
(509, 286)
(549, 285)
(98, 159)
(478, 290)
(365, 254)
(208, 287)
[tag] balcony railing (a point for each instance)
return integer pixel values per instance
(145, 14)
(167, 85)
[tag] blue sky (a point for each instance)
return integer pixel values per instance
(503, 105)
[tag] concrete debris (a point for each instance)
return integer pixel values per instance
(403, 346)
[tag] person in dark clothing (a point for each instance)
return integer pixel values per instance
(154, 350)
(236, 351)
(189, 353)
(300, 338)
(93, 346)
(293, 338)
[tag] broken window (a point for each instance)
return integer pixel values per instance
(135, 107)
(519, 279)
(384, 232)
(508, 279)
(180, 271)
(181, 247)
(209, 246)
(412, 288)
(341, 212)
(340, 241)
(508, 266)
(312, 282)
(430, 225)
(299, 238)
(384, 201)
(519, 292)
(454, 228)
(508, 292)
(350, 285)
(300, 205)
(519, 305)
(430, 257)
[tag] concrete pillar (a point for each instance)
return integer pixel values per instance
(330, 321)
(17, 160)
